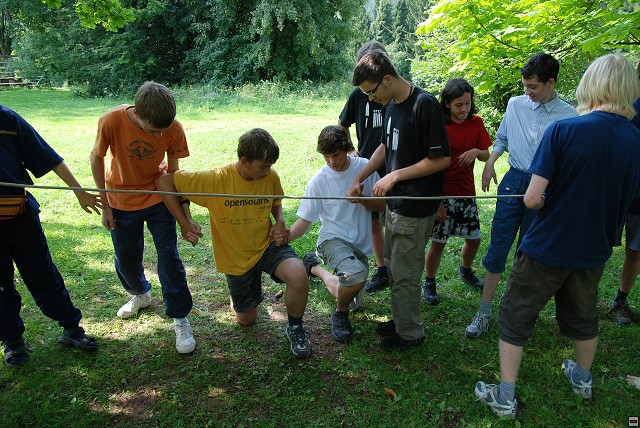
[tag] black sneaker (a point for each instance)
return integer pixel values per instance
(15, 353)
(310, 260)
(76, 338)
(396, 343)
(377, 282)
(429, 293)
(341, 329)
(620, 313)
(471, 279)
(298, 341)
(387, 328)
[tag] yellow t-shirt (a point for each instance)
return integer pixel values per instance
(239, 226)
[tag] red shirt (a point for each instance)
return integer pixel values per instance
(470, 134)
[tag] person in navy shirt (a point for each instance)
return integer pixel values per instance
(584, 179)
(22, 241)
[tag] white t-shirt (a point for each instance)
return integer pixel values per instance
(339, 218)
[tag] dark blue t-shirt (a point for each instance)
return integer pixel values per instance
(22, 149)
(591, 163)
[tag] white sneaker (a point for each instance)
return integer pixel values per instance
(356, 303)
(486, 392)
(185, 343)
(136, 303)
(583, 389)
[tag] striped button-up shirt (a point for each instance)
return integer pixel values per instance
(523, 126)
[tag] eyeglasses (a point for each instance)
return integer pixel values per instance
(373, 91)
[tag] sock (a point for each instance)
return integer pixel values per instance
(428, 280)
(578, 374)
(382, 271)
(621, 296)
(485, 308)
(294, 320)
(506, 392)
(345, 313)
(180, 321)
(464, 270)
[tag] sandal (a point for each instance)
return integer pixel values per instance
(78, 339)
(15, 353)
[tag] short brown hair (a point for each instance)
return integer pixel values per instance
(258, 144)
(155, 104)
(372, 67)
(333, 139)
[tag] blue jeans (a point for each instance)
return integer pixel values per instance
(511, 214)
(128, 242)
(22, 241)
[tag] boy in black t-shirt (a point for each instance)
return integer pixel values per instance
(415, 151)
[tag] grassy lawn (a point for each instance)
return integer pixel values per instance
(242, 377)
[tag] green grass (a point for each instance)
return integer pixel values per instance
(241, 377)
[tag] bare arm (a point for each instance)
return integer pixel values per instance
(426, 166)
(489, 171)
(534, 196)
(190, 230)
(468, 157)
(97, 170)
(375, 163)
(299, 228)
(87, 201)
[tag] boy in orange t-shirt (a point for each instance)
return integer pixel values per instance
(138, 137)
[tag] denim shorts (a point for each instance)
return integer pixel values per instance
(246, 289)
(531, 286)
(350, 265)
(632, 226)
(461, 220)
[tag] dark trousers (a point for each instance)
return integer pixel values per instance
(128, 242)
(22, 241)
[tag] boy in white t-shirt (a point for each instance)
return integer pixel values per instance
(344, 238)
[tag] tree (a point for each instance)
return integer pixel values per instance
(488, 41)
(109, 14)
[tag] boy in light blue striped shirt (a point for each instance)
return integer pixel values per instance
(520, 132)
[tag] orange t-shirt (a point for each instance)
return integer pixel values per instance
(137, 158)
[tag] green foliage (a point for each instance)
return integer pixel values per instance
(487, 42)
(227, 42)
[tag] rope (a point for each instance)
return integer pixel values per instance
(226, 195)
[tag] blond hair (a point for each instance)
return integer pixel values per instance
(610, 84)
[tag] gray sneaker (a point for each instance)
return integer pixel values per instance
(479, 325)
(487, 393)
(136, 303)
(582, 389)
(620, 313)
(298, 341)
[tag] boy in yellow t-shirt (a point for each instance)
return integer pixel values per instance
(242, 231)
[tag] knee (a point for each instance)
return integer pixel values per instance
(248, 318)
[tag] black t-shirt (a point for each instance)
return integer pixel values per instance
(414, 130)
(367, 116)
